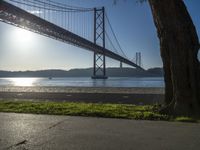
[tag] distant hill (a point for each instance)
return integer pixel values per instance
(111, 72)
(156, 71)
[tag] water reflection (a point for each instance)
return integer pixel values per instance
(23, 81)
(84, 82)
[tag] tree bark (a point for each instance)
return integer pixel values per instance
(179, 47)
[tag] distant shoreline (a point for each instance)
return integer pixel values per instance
(111, 72)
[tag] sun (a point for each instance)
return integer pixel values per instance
(22, 36)
(23, 40)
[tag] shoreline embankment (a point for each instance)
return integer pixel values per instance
(133, 95)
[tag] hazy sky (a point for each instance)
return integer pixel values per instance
(132, 22)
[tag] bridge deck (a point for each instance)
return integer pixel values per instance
(18, 17)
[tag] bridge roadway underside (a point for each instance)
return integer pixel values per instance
(13, 15)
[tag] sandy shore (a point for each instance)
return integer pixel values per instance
(85, 94)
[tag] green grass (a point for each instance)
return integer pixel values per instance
(125, 111)
(186, 119)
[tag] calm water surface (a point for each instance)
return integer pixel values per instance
(85, 82)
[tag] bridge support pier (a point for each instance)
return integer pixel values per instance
(99, 68)
(121, 65)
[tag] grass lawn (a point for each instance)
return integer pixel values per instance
(126, 111)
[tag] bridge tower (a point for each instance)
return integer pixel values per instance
(99, 68)
(138, 59)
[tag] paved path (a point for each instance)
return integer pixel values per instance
(85, 94)
(41, 132)
(115, 98)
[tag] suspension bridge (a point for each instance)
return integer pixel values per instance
(88, 28)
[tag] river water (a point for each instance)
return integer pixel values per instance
(85, 82)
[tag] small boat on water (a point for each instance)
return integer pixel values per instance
(50, 78)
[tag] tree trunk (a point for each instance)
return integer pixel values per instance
(179, 47)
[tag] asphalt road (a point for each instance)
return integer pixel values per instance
(41, 132)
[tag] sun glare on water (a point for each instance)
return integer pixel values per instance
(23, 81)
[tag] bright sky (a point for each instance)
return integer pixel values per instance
(132, 22)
